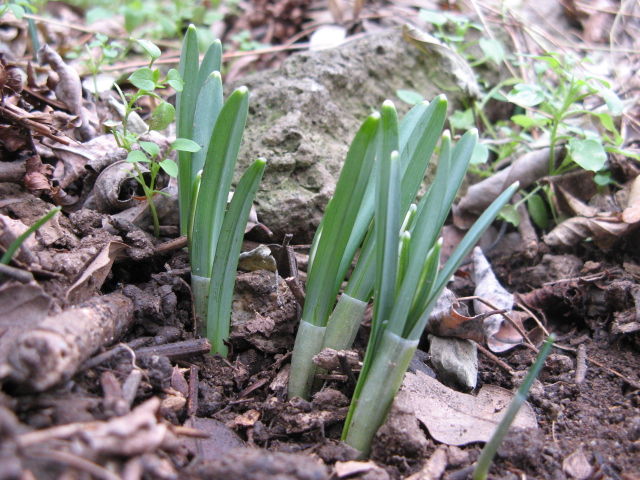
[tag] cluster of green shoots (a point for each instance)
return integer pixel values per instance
(399, 261)
(214, 231)
(209, 132)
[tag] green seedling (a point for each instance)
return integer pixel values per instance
(408, 279)
(147, 80)
(490, 449)
(214, 231)
(15, 245)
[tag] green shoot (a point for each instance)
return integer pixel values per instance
(402, 305)
(330, 245)
(227, 255)
(418, 135)
(490, 449)
(195, 76)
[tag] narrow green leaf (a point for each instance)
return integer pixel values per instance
(185, 108)
(339, 219)
(212, 62)
(226, 259)
(210, 101)
(216, 180)
(387, 214)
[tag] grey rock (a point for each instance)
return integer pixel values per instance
(303, 116)
(455, 361)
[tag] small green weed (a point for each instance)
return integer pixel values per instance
(147, 81)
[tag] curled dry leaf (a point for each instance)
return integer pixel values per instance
(444, 57)
(604, 228)
(95, 274)
(501, 335)
(445, 321)
(527, 169)
(459, 419)
(577, 466)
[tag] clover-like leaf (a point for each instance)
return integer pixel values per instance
(143, 79)
(588, 153)
(136, 156)
(170, 167)
(150, 48)
(526, 95)
(175, 80)
(185, 145)
(492, 49)
(151, 148)
(409, 96)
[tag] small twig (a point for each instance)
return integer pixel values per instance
(537, 320)
(296, 289)
(632, 383)
(345, 366)
(18, 274)
(75, 462)
(178, 349)
(497, 361)
(192, 402)
(170, 246)
(581, 364)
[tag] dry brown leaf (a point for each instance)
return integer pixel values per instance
(445, 321)
(221, 438)
(501, 336)
(527, 169)
(445, 58)
(458, 419)
(577, 466)
(605, 231)
(94, 275)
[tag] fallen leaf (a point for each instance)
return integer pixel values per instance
(220, 439)
(445, 57)
(577, 466)
(95, 274)
(501, 335)
(458, 419)
(346, 469)
(527, 169)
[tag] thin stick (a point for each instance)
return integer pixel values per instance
(507, 317)
(498, 362)
(633, 383)
(75, 462)
(581, 363)
(537, 320)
